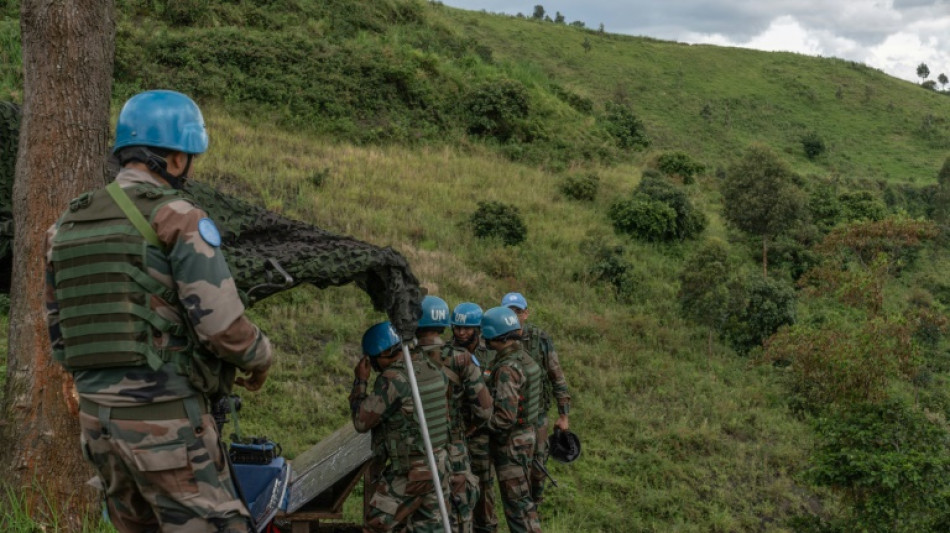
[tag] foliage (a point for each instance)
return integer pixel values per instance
(760, 195)
(644, 218)
(610, 266)
(704, 292)
(813, 145)
(840, 362)
(890, 462)
(758, 308)
(581, 187)
(679, 164)
(690, 221)
(923, 71)
(623, 125)
(497, 109)
(861, 205)
(498, 220)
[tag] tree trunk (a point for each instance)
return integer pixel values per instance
(765, 257)
(68, 51)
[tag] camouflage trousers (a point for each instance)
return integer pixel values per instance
(484, 519)
(537, 477)
(463, 486)
(511, 454)
(408, 498)
(163, 475)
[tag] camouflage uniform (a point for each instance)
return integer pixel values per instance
(405, 492)
(541, 348)
(145, 423)
(484, 518)
(515, 387)
(470, 408)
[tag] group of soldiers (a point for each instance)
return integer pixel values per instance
(144, 313)
(485, 395)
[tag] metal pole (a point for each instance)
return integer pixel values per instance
(424, 428)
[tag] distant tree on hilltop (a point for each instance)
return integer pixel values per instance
(539, 15)
(923, 71)
(942, 78)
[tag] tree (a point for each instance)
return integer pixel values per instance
(538, 12)
(558, 18)
(68, 51)
(923, 71)
(586, 45)
(942, 78)
(704, 291)
(760, 196)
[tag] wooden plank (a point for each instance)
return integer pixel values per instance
(334, 458)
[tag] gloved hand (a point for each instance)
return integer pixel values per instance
(254, 379)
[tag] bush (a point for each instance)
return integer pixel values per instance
(582, 188)
(497, 108)
(626, 129)
(758, 308)
(679, 164)
(890, 462)
(498, 220)
(689, 222)
(813, 145)
(862, 205)
(643, 218)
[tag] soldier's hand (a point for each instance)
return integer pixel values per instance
(562, 422)
(254, 379)
(361, 371)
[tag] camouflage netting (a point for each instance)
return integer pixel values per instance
(253, 239)
(252, 235)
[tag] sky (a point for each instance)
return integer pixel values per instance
(894, 36)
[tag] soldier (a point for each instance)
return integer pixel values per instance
(515, 385)
(466, 334)
(405, 492)
(144, 313)
(469, 408)
(541, 348)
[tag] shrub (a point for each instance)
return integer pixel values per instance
(626, 129)
(689, 222)
(679, 164)
(582, 188)
(890, 462)
(758, 308)
(644, 218)
(497, 108)
(862, 205)
(498, 220)
(813, 145)
(610, 267)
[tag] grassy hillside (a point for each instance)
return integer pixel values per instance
(367, 118)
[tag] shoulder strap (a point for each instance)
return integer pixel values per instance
(135, 217)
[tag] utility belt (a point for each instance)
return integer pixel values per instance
(191, 408)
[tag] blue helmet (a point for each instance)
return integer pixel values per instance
(379, 338)
(497, 321)
(435, 313)
(467, 315)
(161, 119)
(514, 299)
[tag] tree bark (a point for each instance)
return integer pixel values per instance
(68, 52)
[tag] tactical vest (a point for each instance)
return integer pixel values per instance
(457, 400)
(529, 405)
(103, 287)
(403, 438)
(539, 352)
